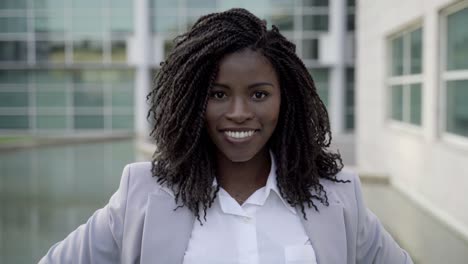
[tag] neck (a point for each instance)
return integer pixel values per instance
(246, 176)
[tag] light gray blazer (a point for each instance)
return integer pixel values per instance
(139, 225)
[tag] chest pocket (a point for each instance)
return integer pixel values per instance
(299, 254)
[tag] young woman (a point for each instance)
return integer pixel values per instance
(241, 173)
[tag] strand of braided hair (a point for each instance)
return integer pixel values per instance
(184, 159)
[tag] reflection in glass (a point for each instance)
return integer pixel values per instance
(14, 122)
(119, 50)
(416, 51)
(51, 121)
(51, 98)
(165, 24)
(158, 4)
(13, 4)
(397, 102)
(415, 103)
(88, 121)
(51, 23)
(50, 51)
(87, 50)
(315, 22)
(88, 97)
(457, 108)
(350, 22)
(310, 49)
(122, 121)
(397, 56)
(457, 40)
(92, 4)
(121, 25)
(349, 101)
(13, 24)
(14, 99)
(87, 21)
(13, 77)
(122, 98)
(320, 77)
(201, 3)
(49, 4)
(283, 21)
(13, 51)
(51, 79)
(315, 3)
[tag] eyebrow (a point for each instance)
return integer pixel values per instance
(249, 87)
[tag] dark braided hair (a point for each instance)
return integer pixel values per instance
(184, 158)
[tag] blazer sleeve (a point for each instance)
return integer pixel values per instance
(374, 243)
(100, 239)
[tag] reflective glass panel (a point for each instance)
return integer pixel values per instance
(14, 99)
(51, 98)
(94, 4)
(14, 122)
(122, 98)
(283, 21)
(88, 121)
(416, 51)
(87, 50)
(315, 22)
(310, 49)
(88, 98)
(13, 51)
(397, 102)
(51, 79)
(50, 51)
(457, 40)
(397, 56)
(51, 122)
(13, 24)
(201, 3)
(119, 50)
(121, 25)
(164, 4)
(350, 22)
(13, 4)
(13, 77)
(122, 121)
(349, 102)
(87, 22)
(320, 77)
(52, 23)
(415, 103)
(315, 3)
(165, 24)
(457, 107)
(49, 4)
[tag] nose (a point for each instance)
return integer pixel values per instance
(239, 111)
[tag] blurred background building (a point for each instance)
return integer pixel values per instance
(81, 66)
(413, 102)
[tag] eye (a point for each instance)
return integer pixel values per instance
(258, 95)
(217, 95)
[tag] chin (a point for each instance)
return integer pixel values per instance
(239, 156)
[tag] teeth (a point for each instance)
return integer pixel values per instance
(243, 134)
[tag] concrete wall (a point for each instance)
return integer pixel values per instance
(421, 162)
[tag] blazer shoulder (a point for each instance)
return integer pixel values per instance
(347, 190)
(139, 177)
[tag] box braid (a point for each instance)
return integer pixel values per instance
(184, 159)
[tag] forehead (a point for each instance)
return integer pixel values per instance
(246, 64)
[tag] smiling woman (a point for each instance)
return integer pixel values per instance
(242, 172)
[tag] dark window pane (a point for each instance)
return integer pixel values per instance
(315, 22)
(13, 77)
(51, 99)
(13, 51)
(314, 3)
(283, 22)
(51, 23)
(416, 51)
(89, 121)
(50, 51)
(51, 122)
(310, 49)
(415, 104)
(397, 102)
(88, 98)
(320, 77)
(457, 108)
(122, 122)
(397, 56)
(349, 102)
(119, 50)
(457, 40)
(350, 22)
(14, 122)
(87, 50)
(14, 99)
(13, 4)
(13, 25)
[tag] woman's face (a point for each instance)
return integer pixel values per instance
(244, 105)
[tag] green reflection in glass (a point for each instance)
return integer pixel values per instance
(122, 121)
(13, 51)
(50, 51)
(315, 22)
(51, 23)
(51, 79)
(201, 3)
(122, 98)
(415, 103)
(121, 25)
(87, 21)
(457, 40)
(13, 77)
(13, 24)
(88, 121)
(51, 122)
(321, 80)
(158, 4)
(119, 50)
(51, 98)
(165, 24)
(49, 4)
(457, 108)
(87, 50)
(14, 122)
(283, 21)
(89, 97)
(310, 49)
(118, 78)
(14, 99)
(397, 56)
(397, 102)
(416, 51)
(94, 4)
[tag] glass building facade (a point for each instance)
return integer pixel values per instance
(73, 65)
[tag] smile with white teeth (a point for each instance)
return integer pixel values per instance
(237, 134)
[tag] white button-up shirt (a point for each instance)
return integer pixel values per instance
(264, 229)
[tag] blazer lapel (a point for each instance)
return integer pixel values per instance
(326, 230)
(166, 232)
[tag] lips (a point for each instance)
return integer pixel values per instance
(239, 135)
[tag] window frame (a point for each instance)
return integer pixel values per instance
(446, 75)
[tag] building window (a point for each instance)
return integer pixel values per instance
(455, 70)
(405, 80)
(349, 100)
(321, 80)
